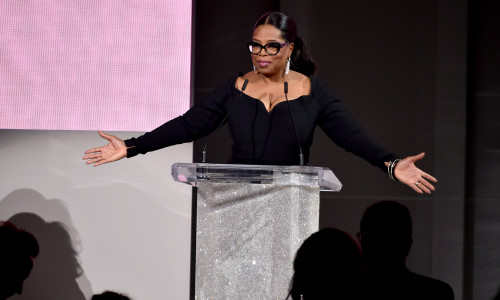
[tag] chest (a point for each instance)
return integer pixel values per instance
(251, 119)
(271, 95)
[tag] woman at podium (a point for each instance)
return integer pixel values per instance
(272, 112)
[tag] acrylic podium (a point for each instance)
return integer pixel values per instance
(250, 221)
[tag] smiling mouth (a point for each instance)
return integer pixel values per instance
(263, 63)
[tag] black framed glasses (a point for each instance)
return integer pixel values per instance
(270, 48)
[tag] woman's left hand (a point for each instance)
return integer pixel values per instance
(407, 172)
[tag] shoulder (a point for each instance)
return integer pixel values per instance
(301, 81)
(240, 79)
(319, 85)
(320, 90)
(438, 287)
(227, 86)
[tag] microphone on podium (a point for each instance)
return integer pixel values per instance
(204, 153)
(301, 156)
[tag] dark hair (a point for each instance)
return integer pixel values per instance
(17, 242)
(110, 295)
(387, 218)
(328, 265)
(300, 59)
(18, 248)
(386, 229)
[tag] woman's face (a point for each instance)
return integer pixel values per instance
(270, 64)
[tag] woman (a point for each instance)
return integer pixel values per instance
(265, 127)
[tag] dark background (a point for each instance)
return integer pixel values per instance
(420, 76)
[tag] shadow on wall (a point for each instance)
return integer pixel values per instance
(56, 269)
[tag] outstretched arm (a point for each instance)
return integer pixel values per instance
(407, 172)
(113, 151)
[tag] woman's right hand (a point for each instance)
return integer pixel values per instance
(113, 151)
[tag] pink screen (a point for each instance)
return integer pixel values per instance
(89, 65)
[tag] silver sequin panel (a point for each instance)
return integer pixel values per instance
(248, 234)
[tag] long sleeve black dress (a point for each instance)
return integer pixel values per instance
(262, 137)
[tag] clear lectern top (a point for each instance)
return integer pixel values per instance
(193, 173)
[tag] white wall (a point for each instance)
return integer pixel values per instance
(128, 222)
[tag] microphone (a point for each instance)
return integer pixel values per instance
(204, 153)
(244, 86)
(301, 156)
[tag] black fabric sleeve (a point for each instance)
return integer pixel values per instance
(341, 128)
(197, 122)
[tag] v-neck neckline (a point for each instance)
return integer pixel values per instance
(272, 109)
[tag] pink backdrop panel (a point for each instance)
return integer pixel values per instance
(89, 65)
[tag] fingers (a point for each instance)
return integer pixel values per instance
(416, 179)
(93, 161)
(98, 149)
(93, 150)
(114, 150)
(109, 137)
(97, 161)
(415, 188)
(424, 186)
(94, 158)
(420, 185)
(101, 162)
(416, 157)
(92, 155)
(429, 177)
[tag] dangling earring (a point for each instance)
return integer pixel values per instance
(287, 66)
(254, 70)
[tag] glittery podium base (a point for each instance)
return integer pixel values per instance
(249, 227)
(247, 236)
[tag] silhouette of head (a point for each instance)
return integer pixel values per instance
(327, 266)
(386, 235)
(18, 248)
(108, 295)
(57, 266)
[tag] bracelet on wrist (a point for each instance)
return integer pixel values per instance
(391, 167)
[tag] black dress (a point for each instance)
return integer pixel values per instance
(262, 137)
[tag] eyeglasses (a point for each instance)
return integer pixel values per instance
(271, 48)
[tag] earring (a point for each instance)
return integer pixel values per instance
(287, 66)
(255, 70)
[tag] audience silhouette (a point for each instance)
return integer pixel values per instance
(328, 265)
(18, 248)
(497, 297)
(109, 295)
(57, 267)
(386, 239)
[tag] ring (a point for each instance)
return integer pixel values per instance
(416, 183)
